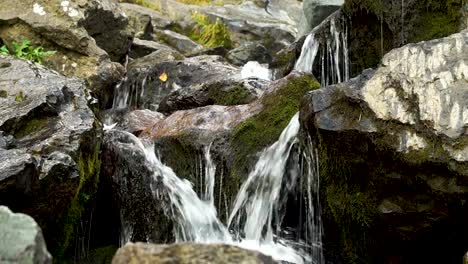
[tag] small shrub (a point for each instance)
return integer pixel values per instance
(210, 34)
(25, 50)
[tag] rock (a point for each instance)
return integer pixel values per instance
(106, 23)
(465, 258)
(141, 48)
(315, 11)
(142, 20)
(181, 43)
(21, 239)
(227, 92)
(394, 153)
(188, 253)
(147, 85)
(370, 20)
(156, 57)
(249, 52)
(64, 29)
(131, 179)
(49, 134)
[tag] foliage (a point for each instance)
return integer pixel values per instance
(25, 50)
(210, 34)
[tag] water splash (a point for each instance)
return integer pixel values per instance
(330, 40)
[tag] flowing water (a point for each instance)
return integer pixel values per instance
(328, 42)
(255, 221)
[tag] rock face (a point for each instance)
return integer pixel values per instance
(315, 11)
(188, 253)
(21, 239)
(47, 134)
(85, 36)
(400, 190)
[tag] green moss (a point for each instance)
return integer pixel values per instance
(263, 129)
(234, 96)
(3, 93)
(434, 25)
(31, 126)
(208, 33)
(19, 97)
(89, 165)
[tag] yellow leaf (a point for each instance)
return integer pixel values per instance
(163, 77)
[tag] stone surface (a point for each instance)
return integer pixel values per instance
(142, 20)
(21, 240)
(141, 48)
(393, 152)
(315, 11)
(45, 120)
(181, 43)
(147, 85)
(249, 52)
(188, 253)
(63, 27)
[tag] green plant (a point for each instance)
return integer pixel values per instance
(25, 50)
(210, 34)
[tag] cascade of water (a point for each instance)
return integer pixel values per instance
(256, 218)
(254, 208)
(330, 39)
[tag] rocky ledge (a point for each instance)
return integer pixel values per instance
(394, 148)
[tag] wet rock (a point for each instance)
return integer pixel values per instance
(21, 239)
(47, 124)
(156, 57)
(141, 48)
(188, 253)
(398, 136)
(249, 52)
(148, 85)
(131, 179)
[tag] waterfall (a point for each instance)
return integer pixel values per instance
(329, 40)
(255, 221)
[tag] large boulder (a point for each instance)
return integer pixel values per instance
(394, 155)
(171, 85)
(315, 11)
(188, 253)
(21, 239)
(50, 146)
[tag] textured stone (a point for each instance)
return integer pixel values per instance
(21, 240)
(188, 253)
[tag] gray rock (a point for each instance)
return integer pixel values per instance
(249, 52)
(147, 85)
(47, 122)
(141, 48)
(188, 253)
(142, 20)
(315, 11)
(78, 53)
(395, 142)
(156, 57)
(21, 240)
(106, 23)
(181, 43)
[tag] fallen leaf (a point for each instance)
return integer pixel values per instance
(163, 77)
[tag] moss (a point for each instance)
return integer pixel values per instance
(234, 96)
(3, 93)
(88, 166)
(19, 97)
(208, 33)
(263, 129)
(31, 126)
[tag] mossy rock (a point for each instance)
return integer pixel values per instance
(263, 129)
